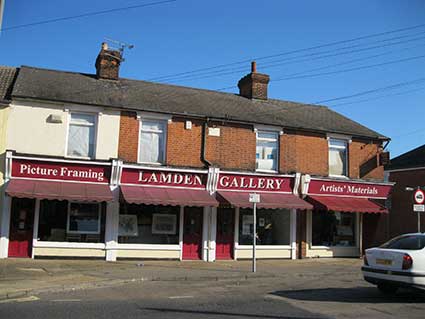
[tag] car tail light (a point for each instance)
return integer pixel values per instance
(407, 262)
(365, 260)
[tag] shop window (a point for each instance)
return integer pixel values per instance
(267, 151)
(273, 226)
(337, 157)
(83, 219)
(333, 229)
(152, 141)
(62, 221)
(81, 135)
(148, 224)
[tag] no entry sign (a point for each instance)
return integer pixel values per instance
(419, 197)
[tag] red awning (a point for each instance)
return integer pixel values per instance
(24, 188)
(267, 200)
(167, 196)
(346, 204)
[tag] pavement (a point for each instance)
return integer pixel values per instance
(27, 277)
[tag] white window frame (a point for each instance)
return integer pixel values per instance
(99, 217)
(347, 141)
(95, 124)
(162, 119)
(277, 140)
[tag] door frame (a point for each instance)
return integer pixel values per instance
(204, 238)
(35, 219)
(233, 237)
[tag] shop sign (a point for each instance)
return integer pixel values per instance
(60, 171)
(163, 178)
(255, 183)
(321, 187)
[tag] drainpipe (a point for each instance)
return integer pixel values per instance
(204, 144)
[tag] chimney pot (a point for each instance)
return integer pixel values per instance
(253, 67)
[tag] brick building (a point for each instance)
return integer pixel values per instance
(406, 170)
(135, 169)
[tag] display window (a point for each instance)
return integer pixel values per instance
(63, 221)
(148, 224)
(273, 226)
(333, 229)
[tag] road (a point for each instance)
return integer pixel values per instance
(341, 295)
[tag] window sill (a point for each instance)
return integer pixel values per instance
(266, 171)
(79, 157)
(153, 164)
(339, 176)
(332, 247)
(65, 244)
(263, 247)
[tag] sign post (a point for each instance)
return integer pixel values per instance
(254, 198)
(419, 206)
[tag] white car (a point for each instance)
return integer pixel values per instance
(399, 262)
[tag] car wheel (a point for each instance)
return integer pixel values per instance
(387, 288)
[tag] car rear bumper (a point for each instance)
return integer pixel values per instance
(399, 278)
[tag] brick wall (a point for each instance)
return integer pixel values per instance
(402, 218)
(304, 153)
(184, 146)
(363, 160)
(129, 137)
(234, 149)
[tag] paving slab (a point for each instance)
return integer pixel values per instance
(20, 277)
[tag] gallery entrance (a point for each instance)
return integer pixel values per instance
(225, 233)
(192, 233)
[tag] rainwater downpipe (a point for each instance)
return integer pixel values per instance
(204, 160)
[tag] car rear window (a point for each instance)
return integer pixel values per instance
(409, 242)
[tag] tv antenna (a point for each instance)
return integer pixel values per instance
(119, 45)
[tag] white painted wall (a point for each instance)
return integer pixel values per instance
(29, 130)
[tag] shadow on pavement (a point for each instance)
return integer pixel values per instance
(221, 313)
(353, 295)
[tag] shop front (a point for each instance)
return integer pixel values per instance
(164, 213)
(276, 215)
(335, 226)
(55, 207)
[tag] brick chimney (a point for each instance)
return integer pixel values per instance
(254, 85)
(108, 63)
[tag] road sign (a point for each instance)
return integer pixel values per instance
(254, 198)
(418, 208)
(419, 196)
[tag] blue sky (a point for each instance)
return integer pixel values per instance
(187, 35)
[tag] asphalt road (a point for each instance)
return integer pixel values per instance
(333, 296)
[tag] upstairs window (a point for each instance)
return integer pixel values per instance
(337, 157)
(267, 151)
(152, 141)
(81, 135)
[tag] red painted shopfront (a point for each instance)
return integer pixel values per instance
(348, 196)
(34, 179)
(146, 186)
(233, 189)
